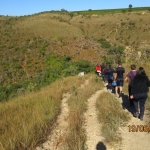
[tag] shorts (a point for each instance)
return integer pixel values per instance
(120, 81)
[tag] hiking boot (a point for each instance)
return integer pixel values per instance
(141, 117)
(121, 94)
(136, 114)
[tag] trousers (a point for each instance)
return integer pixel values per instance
(140, 99)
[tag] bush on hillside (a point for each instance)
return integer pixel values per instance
(104, 43)
(84, 66)
(55, 67)
(114, 54)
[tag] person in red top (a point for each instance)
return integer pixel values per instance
(98, 69)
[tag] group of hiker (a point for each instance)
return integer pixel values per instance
(138, 84)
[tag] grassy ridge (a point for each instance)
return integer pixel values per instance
(26, 120)
(28, 41)
(108, 11)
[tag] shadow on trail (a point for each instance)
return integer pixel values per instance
(101, 146)
(126, 104)
(125, 100)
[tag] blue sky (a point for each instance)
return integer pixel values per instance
(29, 7)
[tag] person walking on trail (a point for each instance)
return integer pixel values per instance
(119, 78)
(98, 69)
(139, 88)
(103, 68)
(129, 77)
(109, 73)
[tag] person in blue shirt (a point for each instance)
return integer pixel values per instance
(109, 73)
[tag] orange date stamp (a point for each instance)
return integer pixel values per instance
(139, 128)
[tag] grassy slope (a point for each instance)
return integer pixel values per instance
(26, 37)
(27, 41)
(23, 37)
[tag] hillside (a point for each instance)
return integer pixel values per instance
(49, 105)
(28, 42)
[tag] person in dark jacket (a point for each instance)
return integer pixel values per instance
(103, 69)
(139, 88)
(109, 75)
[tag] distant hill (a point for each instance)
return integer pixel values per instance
(96, 36)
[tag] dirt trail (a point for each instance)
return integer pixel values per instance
(130, 140)
(95, 141)
(133, 134)
(92, 125)
(55, 140)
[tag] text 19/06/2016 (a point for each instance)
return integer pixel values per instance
(139, 128)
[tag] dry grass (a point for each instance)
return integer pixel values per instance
(111, 116)
(77, 102)
(26, 120)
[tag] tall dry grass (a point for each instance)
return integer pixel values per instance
(77, 105)
(111, 116)
(26, 120)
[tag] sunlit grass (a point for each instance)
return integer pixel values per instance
(77, 137)
(111, 116)
(26, 120)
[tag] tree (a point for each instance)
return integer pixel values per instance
(63, 10)
(130, 6)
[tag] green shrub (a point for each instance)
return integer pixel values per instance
(84, 66)
(104, 43)
(55, 68)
